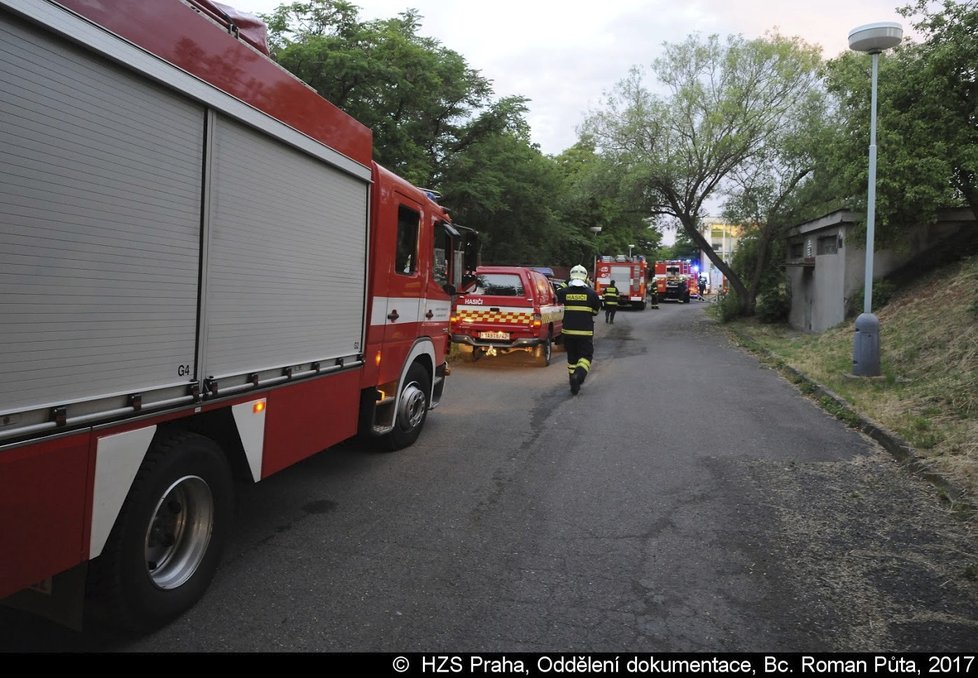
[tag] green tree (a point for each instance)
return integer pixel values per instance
(927, 130)
(504, 188)
(775, 190)
(949, 83)
(728, 104)
(422, 100)
(593, 196)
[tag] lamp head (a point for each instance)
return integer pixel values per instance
(874, 38)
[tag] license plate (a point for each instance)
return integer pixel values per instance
(503, 336)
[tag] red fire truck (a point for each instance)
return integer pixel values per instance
(630, 275)
(204, 277)
(676, 279)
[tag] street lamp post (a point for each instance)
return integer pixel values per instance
(873, 39)
(595, 230)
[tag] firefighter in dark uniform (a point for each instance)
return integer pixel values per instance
(610, 302)
(581, 304)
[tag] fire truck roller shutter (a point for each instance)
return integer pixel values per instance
(286, 277)
(622, 275)
(99, 248)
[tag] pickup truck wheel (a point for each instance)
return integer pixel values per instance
(412, 409)
(166, 544)
(545, 351)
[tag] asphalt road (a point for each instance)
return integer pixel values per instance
(688, 499)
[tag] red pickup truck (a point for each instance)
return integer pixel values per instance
(505, 309)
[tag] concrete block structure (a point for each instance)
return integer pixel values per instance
(826, 263)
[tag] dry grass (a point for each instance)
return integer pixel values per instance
(929, 354)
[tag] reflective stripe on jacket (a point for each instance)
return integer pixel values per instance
(581, 304)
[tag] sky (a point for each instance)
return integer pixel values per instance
(565, 55)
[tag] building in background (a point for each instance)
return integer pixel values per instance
(723, 238)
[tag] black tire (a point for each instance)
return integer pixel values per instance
(544, 351)
(412, 409)
(167, 542)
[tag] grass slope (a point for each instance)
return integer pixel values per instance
(928, 393)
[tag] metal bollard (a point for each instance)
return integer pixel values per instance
(866, 346)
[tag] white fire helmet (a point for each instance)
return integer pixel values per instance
(578, 273)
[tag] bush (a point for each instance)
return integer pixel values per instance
(883, 291)
(774, 305)
(728, 307)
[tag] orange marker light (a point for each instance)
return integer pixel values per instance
(258, 407)
(377, 359)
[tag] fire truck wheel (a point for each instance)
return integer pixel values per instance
(412, 409)
(166, 543)
(545, 351)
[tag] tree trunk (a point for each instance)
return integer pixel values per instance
(743, 294)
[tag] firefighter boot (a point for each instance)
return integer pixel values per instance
(577, 379)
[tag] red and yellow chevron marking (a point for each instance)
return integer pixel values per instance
(499, 317)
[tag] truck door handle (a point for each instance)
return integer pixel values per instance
(430, 314)
(392, 316)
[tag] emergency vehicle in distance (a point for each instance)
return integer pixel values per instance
(630, 275)
(204, 278)
(676, 279)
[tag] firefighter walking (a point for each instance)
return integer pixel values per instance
(610, 302)
(581, 304)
